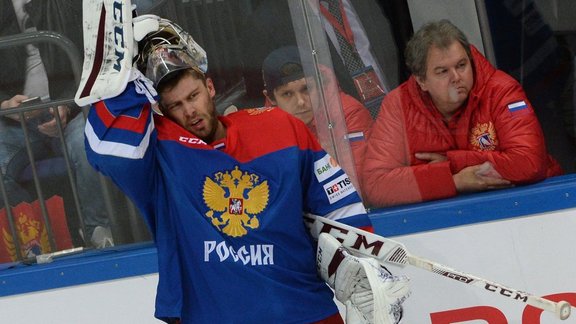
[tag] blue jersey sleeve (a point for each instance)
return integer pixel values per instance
(119, 136)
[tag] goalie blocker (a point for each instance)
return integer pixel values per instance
(370, 293)
(108, 49)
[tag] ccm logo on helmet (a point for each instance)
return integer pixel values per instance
(117, 14)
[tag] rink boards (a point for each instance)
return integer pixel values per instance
(520, 237)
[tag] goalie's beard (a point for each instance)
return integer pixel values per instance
(212, 128)
(198, 116)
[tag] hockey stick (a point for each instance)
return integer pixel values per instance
(390, 251)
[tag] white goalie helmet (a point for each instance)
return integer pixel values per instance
(167, 49)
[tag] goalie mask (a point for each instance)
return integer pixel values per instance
(167, 50)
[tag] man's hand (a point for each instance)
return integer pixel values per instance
(479, 178)
(13, 102)
(474, 178)
(50, 128)
(431, 157)
(19, 100)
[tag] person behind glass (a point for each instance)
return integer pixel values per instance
(25, 77)
(286, 87)
(457, 125)
(375, 47)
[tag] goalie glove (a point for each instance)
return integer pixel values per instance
(370, 293)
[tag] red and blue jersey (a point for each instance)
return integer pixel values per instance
(226, 216)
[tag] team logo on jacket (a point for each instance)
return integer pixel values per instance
(234, 199)
(483, 137)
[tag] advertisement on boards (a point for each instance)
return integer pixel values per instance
(533, 254)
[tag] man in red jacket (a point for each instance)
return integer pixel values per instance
(456, 125)
(286, 87)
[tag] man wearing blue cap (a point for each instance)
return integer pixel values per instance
(286, 87)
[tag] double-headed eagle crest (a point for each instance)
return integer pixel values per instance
(32, 235)
(235, 198)
(483, 137)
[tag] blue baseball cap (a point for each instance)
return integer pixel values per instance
(281, 66)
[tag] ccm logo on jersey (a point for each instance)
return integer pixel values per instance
(118, 34)
(325, 168)
(254, 254)
(191, 140)
(339, 188)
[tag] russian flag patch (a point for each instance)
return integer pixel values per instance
(220, 146)
(356, 136)
(517, 106)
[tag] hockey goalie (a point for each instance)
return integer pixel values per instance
(224, 196)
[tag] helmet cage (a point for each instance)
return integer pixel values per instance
(169, 49)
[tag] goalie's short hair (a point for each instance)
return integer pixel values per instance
(170, 80)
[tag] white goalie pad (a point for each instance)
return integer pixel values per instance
(370, 293)
(109, 48)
